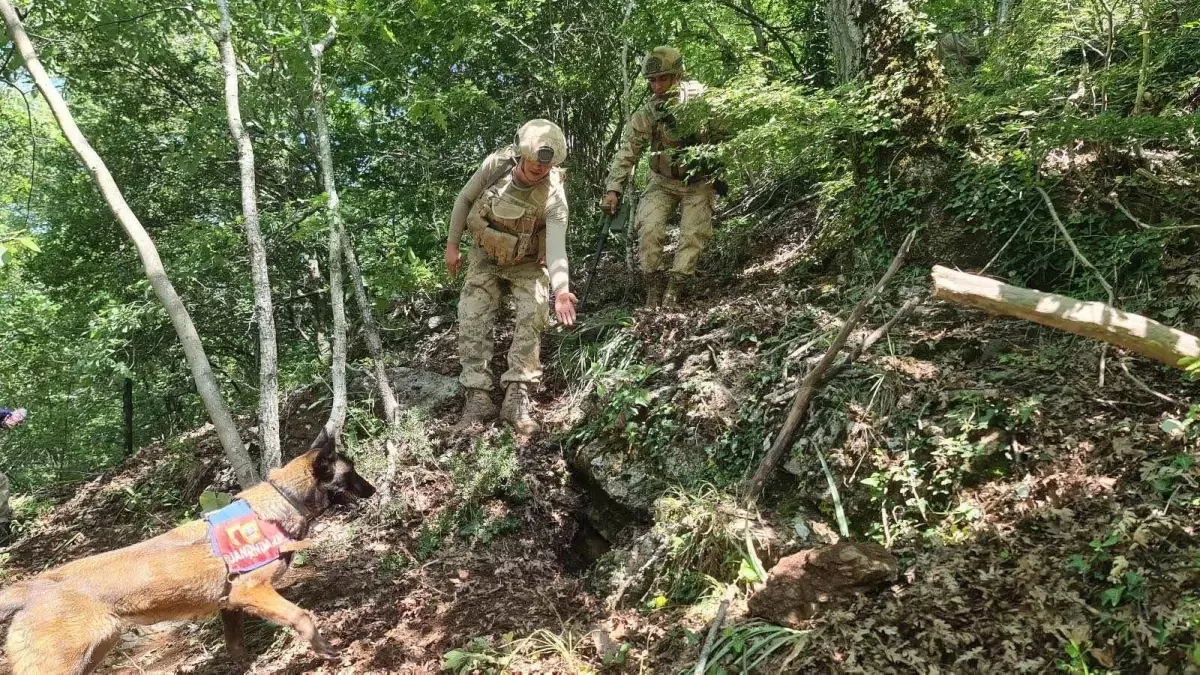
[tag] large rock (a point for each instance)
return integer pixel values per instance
(423, 389)
(800, 585)
(623, 477)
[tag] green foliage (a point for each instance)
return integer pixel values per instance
(482, 655)
(490, 469)
(756, 646)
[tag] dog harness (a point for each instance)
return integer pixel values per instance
(243, 540)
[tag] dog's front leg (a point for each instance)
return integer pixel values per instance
(235, 643)
(264, 601)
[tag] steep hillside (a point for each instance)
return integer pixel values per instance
(1039, 520)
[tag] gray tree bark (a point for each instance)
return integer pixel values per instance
(324, 348)
(391, 409)
(193, 349)
(845, 37)
(264, 312)
(337, 299)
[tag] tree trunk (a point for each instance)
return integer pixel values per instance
(127, 414)
(391, 409)
(845, 37)
(1002, 9)
(760, 35)
(1095, 320)
(206, 383)
(324, 349)
(264, 312)
(337, 414)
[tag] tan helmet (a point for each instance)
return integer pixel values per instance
(542, 141)
(663, 61)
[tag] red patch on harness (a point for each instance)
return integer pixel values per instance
(243, 540)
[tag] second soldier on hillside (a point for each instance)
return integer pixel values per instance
(676, 180)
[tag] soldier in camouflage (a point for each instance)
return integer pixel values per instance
(515, 209)
(674, 181)
(9, 419)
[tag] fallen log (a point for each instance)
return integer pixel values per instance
(1095, 320)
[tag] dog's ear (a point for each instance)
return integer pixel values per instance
(326, 450)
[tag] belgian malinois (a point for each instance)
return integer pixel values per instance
(65, 620)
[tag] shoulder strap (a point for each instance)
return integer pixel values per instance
(511, 157)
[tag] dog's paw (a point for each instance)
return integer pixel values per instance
(324, 649)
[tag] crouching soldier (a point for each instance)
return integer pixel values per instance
(676, 182)
(515, 208)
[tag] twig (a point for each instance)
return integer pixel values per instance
(1145, 387)
(1010, 240)
(813, 380)
(887, 532)
(1112, 298)
(715, 628)
(871, 339)
(838, 511)
(1112, 199)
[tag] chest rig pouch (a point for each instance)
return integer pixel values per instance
(509, 221)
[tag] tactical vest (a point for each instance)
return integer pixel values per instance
(664, 143)
(509, 221)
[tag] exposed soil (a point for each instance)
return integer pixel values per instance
(1000, 598)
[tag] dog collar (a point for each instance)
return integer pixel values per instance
(304, 511)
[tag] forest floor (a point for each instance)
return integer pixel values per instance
(1078, 547)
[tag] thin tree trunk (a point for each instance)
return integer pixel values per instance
(324, 349)
(127, 414)
(760, 36)
(1002, 8)
(391, 409)
(1145, 67)
(845, 37)
(206, 383)
(337, 414)
(264, 312)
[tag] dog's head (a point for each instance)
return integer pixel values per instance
(334, 473)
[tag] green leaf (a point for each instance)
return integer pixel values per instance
(211, 500)
(1112, 597)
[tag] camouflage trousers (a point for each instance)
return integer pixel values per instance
(5, 509)
(477, 308)
(658, 203)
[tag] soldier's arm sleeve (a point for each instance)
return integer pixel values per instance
(470, 192)
(633, 141)
(556, 239)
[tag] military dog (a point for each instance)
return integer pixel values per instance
(65, 620)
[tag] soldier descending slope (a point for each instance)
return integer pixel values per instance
(674, 181)
(515, 207)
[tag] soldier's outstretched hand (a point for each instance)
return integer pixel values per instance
(611, 201)
(564, 308)
(453, 259)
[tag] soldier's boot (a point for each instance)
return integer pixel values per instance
(654, 288)
(478, 409)
(670, 296)
(517, 408)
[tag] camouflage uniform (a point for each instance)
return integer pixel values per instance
(516, 230)
(672, 185)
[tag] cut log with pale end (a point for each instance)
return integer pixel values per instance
(1095, 320)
